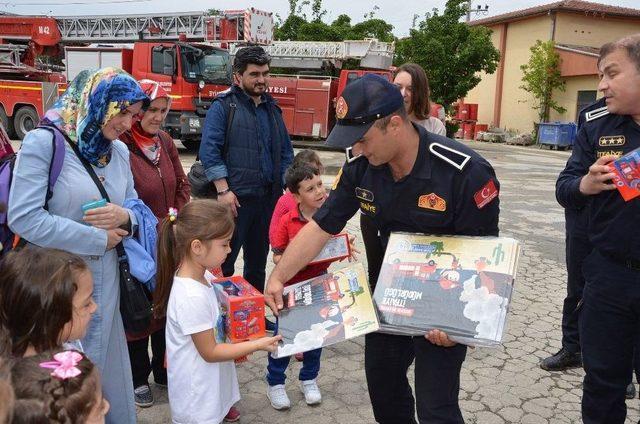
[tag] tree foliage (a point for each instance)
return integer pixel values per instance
(451, 52)
(305, 23)
(541, 76)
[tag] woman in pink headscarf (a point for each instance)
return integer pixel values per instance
(161, 184)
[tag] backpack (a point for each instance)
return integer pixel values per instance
(6, 175)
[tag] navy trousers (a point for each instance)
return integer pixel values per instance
(309, 371)
(252, 235)
(609, 332)
(437, 377)
(577, 248)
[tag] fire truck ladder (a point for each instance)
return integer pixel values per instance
(312, 54)
(130, 28)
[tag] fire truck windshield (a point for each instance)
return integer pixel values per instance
(208, 64)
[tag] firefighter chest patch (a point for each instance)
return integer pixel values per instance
(486, 194)
(432, 201)
(612, 140)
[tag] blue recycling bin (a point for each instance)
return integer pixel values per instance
(559, 134)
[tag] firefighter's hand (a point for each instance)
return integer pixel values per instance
(599, 177)
(273, 295)
(439, 338)
(229, 198)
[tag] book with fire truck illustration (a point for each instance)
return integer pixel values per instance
(460, 285)
(325, 310)
(627, 174)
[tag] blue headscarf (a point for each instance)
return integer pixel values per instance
(91, 100)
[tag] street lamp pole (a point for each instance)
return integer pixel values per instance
(478, 10)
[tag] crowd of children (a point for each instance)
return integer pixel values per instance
(46, 304)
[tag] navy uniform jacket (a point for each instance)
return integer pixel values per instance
(611, 219)
(453, 191)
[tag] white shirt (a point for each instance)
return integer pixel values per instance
(433, 125)
(199, 391)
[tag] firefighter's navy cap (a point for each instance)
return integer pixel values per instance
(363, 101)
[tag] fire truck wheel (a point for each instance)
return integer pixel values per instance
(25, 119)
(7, 123)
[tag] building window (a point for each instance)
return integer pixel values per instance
(585, 98)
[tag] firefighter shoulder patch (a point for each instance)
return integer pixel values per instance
(486, 194)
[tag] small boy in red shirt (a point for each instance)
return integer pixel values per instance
(305, 184)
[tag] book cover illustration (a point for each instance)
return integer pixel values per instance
(325, 310)
(627, 174)
(337, 248)
(460, 285)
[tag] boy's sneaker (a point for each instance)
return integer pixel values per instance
(278, 397)
(143, 396)
(232, 416)
(311, 392)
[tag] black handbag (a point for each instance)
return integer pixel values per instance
(200, 185)
(135, 306)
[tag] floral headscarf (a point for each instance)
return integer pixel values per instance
(91, 100)
(149, 144)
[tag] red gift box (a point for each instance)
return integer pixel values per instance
(243, 307)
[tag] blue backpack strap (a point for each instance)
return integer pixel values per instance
(57, 159)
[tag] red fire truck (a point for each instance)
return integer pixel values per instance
(193, 72)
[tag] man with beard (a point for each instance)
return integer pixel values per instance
(246, 158)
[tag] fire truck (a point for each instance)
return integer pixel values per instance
(190, 55)
(152, 46)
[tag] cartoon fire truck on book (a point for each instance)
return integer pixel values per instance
(414, 269)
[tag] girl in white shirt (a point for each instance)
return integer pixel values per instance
(203, 385)
(413, 84)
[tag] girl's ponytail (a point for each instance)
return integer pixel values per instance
(167, 266)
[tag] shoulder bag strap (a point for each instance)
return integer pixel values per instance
(92, 173)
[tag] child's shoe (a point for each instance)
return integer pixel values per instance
(278, 397)
(232, 416)
(311, 392)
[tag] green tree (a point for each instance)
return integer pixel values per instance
(451, 52)
(297, 27)
(541, 76)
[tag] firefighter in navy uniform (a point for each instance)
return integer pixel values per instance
(577, 248)
(610, 312)
(406, 180)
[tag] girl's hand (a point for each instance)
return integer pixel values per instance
(108, 217)
(268, 344)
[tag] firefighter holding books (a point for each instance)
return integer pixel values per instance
(405, 179)
(610, 312)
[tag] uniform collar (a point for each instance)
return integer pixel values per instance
(422, 166)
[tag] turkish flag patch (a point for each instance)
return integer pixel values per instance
(486, 194)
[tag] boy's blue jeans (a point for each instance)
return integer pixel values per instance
(277, 367)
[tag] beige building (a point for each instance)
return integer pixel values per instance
(578, 28)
